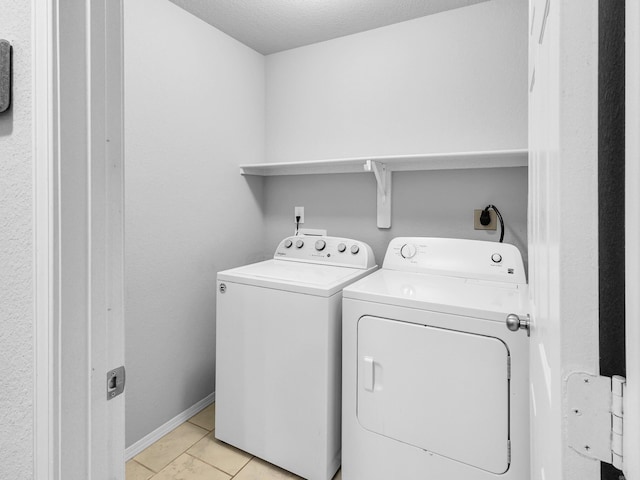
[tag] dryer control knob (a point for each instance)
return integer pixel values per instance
(408, 250)
(355, 249)
(320, 244)
(496, 258)
(299, 243)
(341, 247)
(288, 243)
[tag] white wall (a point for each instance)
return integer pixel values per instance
(455, 81)
(424, 204)
(16, 253)
(194, 111)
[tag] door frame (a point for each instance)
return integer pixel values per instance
(631, 442)
(78, 237)
(45, 412)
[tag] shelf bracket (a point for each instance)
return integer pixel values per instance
(383, 180)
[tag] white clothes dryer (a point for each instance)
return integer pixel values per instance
(434, 384)
(278, 352)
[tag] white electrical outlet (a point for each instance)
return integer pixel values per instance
(298, 212)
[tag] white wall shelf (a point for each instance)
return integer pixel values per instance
(382, 168)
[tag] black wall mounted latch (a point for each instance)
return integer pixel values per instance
(5, 75)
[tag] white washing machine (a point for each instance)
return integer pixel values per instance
(434, 384)
(278, 352)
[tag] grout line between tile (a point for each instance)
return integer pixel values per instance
(153, 474)
(218, 468)
(243, 467)
(173, 459)
(192, 423)
(211, 465)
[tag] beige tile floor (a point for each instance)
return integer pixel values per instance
(191, 452)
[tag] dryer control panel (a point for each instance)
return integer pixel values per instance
(472, 259)
(343, 252)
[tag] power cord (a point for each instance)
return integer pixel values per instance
(297, 223)
(485, 218)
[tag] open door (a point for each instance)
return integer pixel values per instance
(563, 252)
(631, 438)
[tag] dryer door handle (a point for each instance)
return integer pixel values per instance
(368, 380)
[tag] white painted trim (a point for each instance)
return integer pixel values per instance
(89, 197)
(44, 123)
(631, 442)
(105, 170)
(162, 430)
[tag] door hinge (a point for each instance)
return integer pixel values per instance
(115, 382)
(508, 367)
(509, 452)
(596, 416)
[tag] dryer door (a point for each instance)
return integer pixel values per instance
(440, 390)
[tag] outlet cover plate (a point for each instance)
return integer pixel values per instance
(493, 225)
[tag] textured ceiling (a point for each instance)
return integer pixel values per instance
(270, 26)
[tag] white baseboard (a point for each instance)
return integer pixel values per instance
(162, 430)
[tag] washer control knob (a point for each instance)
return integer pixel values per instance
(496, 258)
(288, 243)
(341, 247)
(320, 244)
(299, 243)
(408, 250)
(355, 249)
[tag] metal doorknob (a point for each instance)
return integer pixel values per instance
(515, 323)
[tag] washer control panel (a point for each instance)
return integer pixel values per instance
(456, 257)
(336, 251)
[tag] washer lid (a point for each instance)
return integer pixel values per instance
(454, 295)
(309, 278)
